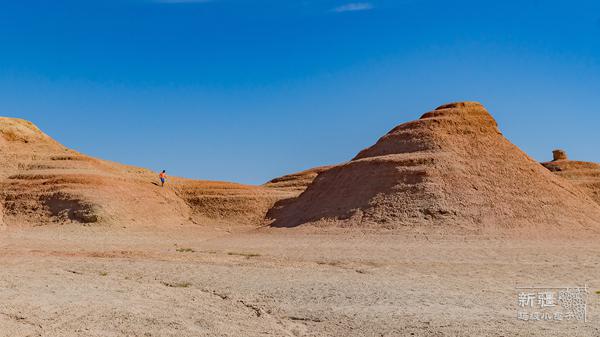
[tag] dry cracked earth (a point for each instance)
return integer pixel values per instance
(87, 281)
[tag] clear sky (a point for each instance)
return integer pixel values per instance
(245, 90)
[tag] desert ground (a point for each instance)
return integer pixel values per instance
(74, 280)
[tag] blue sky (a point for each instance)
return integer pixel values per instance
(244, 90)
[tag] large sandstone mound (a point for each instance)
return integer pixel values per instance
(585, 175)
(42, 182)
(452, 169)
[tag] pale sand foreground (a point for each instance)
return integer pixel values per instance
(84, 281)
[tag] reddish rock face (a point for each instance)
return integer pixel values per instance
(453, 170)
(584, 175)
(559, 155)
(297, 182)
(43, 182)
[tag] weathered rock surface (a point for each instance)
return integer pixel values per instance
(585, 175)
(297, 182)
(43, 182)
(452, 169)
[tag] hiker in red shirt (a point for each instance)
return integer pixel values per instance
(163, 178)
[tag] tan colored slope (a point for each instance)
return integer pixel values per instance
(228, 203)
(2, 224)
(297, 182)
(43, 182)
(451, 169)
(585, 175)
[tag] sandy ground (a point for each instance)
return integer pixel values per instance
(86, 281)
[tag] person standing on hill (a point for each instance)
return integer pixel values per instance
(163, 178)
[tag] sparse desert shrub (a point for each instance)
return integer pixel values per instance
(177, 284)
(246, 255)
